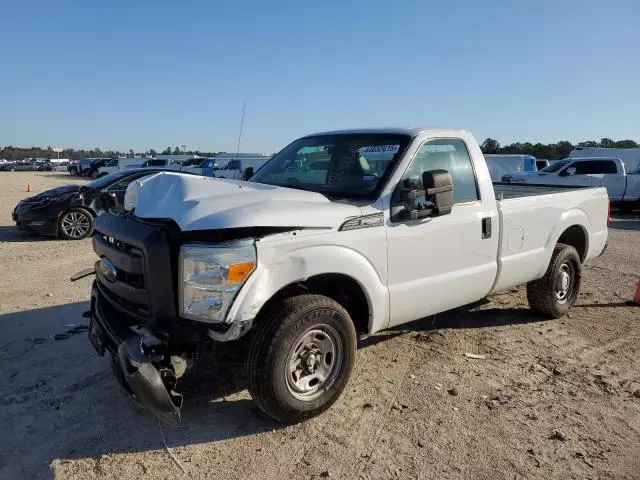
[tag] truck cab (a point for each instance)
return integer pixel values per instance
(340, 234)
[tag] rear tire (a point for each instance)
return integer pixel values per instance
(300, 357)
(555, 293)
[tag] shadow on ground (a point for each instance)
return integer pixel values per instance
(12, 234)
(468, 317)
(63, 401)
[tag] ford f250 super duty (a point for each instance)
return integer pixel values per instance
(341, 233)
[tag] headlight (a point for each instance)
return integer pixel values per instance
(211, 277)
(131, 195)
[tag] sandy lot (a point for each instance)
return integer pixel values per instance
(553, 399)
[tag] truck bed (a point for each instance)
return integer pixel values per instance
(505, 191)
(533, 217)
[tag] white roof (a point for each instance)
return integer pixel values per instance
(411, 131)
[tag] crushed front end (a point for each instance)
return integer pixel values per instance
(133, 312)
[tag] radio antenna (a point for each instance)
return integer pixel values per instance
(244, 105)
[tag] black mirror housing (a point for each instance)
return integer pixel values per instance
(248, 173)
(438, 187)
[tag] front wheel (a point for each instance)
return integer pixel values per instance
(555, 293)
(76, 224)
(300, 357)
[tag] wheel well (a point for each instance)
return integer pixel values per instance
(341, 288)
(577, 238)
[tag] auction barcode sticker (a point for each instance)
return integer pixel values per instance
(381, 149)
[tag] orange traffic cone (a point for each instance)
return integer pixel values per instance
(636, 296)
(29, 187)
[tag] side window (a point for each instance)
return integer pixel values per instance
(449, 154)
(603, 166)
(581, 168)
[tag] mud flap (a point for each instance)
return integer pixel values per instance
(146, 383)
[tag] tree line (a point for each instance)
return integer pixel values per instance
(550, 151)
(12, 153)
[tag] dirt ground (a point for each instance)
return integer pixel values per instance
(551, 399)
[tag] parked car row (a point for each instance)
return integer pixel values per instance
(68, 212)
(28, 167)
(88, 167)
(208, 167)
(623, 188)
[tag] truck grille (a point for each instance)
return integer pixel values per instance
(141, 254)
(138, 309)
(128, 290)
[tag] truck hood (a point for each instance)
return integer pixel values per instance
(203, 203)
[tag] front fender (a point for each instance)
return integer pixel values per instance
(301, 264)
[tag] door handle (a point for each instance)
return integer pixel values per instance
(486, 227)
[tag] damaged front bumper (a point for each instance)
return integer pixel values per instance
(144, 366)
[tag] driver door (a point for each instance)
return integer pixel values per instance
(576, 174)
(436, 264)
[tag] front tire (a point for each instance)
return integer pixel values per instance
(76, 224)
(300, 357)
(555, 293)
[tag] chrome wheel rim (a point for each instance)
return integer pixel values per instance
(313, 362)
(75, 225)
(565, 282)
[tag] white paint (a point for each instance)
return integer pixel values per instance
(203, 203)
(407, 269)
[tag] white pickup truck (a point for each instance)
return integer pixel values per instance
(622, 187)
(340, 234)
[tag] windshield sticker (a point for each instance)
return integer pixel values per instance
(381, 149)
(369, 178)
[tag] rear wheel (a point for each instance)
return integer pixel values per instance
(76, 224)
(300, 357)
(555, 293)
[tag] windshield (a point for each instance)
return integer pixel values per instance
(107, 180)
(555, 166)
(155, 163)
(340, 165)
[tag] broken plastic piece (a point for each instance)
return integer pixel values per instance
(475, 356)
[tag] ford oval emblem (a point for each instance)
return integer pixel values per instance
(108, 269)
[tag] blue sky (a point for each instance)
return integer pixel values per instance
(122, 74)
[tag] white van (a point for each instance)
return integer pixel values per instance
(502, 166)
(120, 164)
(235, 167)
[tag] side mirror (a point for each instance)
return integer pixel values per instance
(438, 188)
(569, 172)
(112, 200)
(248, 173)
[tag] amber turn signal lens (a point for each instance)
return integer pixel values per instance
(237, 272)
